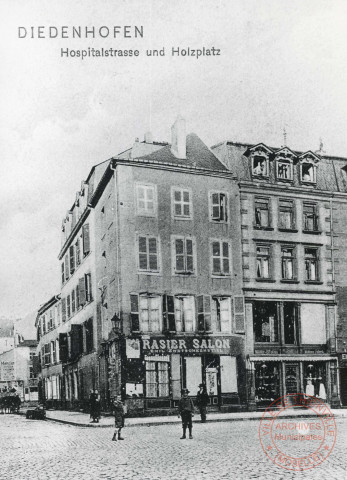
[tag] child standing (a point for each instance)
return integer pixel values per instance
(118, 409)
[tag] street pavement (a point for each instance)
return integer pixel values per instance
(35, 450)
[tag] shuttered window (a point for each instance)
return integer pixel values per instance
(169, 313)
(239, 314)
(220, 258)
(183, 254)
(218, 207)
(221, 314)
(148, 254)
(204, 313)
(72, 259)
(86, 239)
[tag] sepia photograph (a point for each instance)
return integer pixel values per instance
(173, 229)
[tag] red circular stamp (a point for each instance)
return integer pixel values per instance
(301, 442)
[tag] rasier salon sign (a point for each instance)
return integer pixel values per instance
(186, 345)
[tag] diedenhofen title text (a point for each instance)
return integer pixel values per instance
(104, 31)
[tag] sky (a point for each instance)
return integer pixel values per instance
(281, 65)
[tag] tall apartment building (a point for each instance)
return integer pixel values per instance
(291, 204)
(169, 274)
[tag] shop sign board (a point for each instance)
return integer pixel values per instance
(221, 345)
(7, 371)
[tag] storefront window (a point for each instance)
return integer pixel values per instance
(265, 322)
(290, 323)
(315, 379)
(157, 379)
(267, 382)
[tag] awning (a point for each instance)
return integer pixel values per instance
(290, 358)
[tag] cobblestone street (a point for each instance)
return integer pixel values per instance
(47, 450)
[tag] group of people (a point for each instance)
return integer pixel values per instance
(9, 401)
(185, 411)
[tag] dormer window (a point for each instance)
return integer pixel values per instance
(259, 160)
(260, 166)
(284, 170)
(308, 168)
(308, 173)
(284, 164)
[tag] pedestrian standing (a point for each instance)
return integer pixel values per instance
(202, 400)
(119, 413)
(186, 412)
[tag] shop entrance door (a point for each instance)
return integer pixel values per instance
(292, 377)
(343, 384)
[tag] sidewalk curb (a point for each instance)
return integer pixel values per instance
(174, 422)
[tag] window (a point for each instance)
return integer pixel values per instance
(286, 214)
(46, 354)
(284, 170)
(308, 173)
(221, 314)
(86, 239)
(148, 254)
(290, 323)
(157, 378)
(31, 372)
(263, 261)
(89, 335)
(184, 255)
(262, 212)
(169, 313)
(50, 320)
(220, 258)
(77, 252)
(43, 324)
(311, 264)
(185, 314)
(182, 207)
(260, 166)
(77, 297)
(72, 259)
(53, 353)
(310, 217)
(265, 321)
(288, 263)
(62, 272)
(204, 313)
(66, 260)
(145, 313)
(73, 302)
(146, 200)
(68, 306)
(218, 207)
(88, 285)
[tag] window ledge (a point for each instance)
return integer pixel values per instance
(220, 275)
(176, 217)
(185, 274)
(270, 280)
(312, 232)
(148, 272)
(260, 177)
(294, 230)
(284, 180)
(313, 282)
(259, 227)
(287, 280)
(308, 183)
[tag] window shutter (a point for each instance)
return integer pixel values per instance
(72, 259)
(201, 319)
(77, 297)
(239, 314)
(169, 313)
(134, 308)
(66, 267)
(63, 309)
(77, 250)
(86, 240)
(76, 347)
(62, 273)
(82, 291)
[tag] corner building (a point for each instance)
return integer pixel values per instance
(290, 203)
(169, 275)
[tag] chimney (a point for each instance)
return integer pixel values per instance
(148, 137)
(178, 138)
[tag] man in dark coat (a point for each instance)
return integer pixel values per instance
(202, 400)
(186, 412)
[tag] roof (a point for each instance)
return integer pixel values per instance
(197, 155)
(331, 171)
